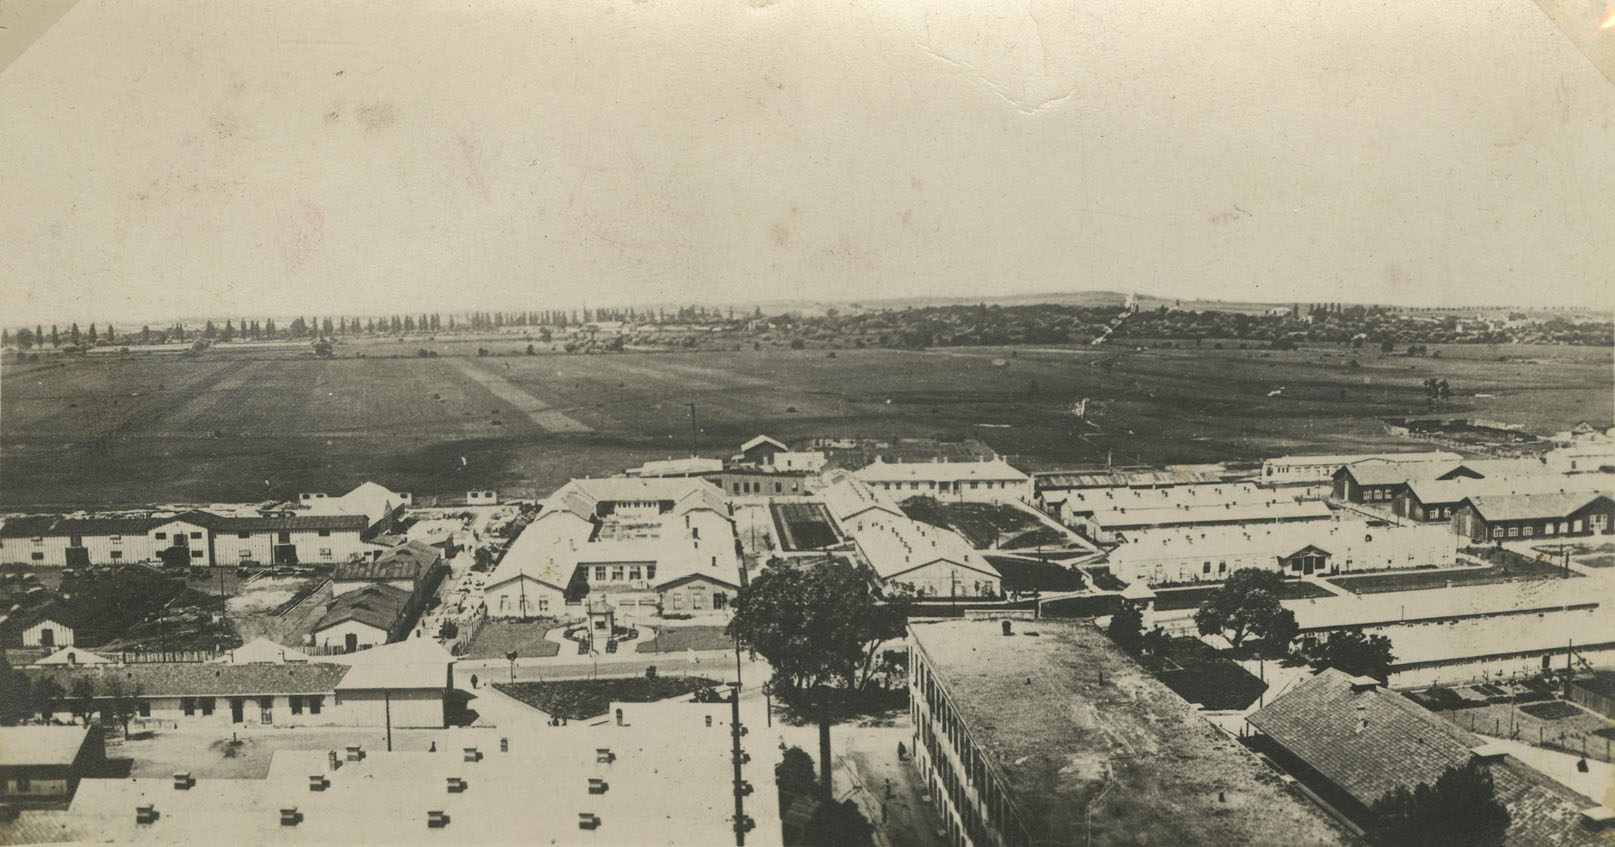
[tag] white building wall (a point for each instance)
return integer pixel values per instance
(943, 579)
(258, 546)
(336, 636)
(34, 636)
(47, 551)
(418, 708)
(505, 599)
(196, 538)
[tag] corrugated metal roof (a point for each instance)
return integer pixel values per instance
(377, 605)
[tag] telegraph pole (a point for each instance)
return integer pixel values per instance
(692, 429)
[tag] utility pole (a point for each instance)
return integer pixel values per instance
(388, 695)
(741, 788)
(692, 429)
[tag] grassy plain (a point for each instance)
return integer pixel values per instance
(252, 425)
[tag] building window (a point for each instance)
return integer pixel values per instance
(207, 705)
(38, 540)
(1497, 532)
(325, 552)
(243, 535)
(1526, 531)
(325, 533)
(188, 704)
(116, 554)
(296, 702)
(196, 553)
(633, 573)
(37, 556)
(196, 535)
(600, 574)
(115, 539)
(616, 573)
(678, 600)
(1513, 531)
(144, 708)
(283, 538)
(543, 602)
(244, 553)
(650, 571)
(159, 535)
(23, 785)
(315, 701)
(1205, 567)
(776, 488)
(1222, 567)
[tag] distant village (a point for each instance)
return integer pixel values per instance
(591, 664)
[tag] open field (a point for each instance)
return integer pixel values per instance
(245, 426)
(496, 639)
(680, 639)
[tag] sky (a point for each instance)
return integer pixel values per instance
(171, 159)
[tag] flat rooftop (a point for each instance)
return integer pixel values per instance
(1138, 759)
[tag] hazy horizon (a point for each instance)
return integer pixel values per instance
(364, 158)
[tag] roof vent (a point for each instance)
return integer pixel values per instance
(604, 756)
(1359, 684)
(1489, 752)
(587, 820)
(437, 819)
(183, 781)
(456, 785)
(318, 782)
(355, 753)
(597, 785)
(145, 814)
(289, 816)
(472, 754)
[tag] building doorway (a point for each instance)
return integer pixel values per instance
(237, 710)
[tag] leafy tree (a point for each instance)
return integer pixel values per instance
(45, 694)
(322, 348)
(123, 703)
(1355, 653)
(1247, 603)
(1460, 810)
(820, 626)
(838, 824)
(1127, 627)
(794, 775)
(81, 699)
(15, 696)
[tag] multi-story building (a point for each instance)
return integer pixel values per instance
(665, 542)
(1045, 733)
(192, 538)
(993, 480)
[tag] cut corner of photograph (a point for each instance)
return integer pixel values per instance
(780, 423)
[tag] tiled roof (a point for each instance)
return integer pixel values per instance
(992, 469)
(377, 605)
(410, 560)
(1131, 479)
(1386, 472)
(1371, 742)
(200, 680)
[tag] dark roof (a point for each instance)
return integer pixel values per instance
(262, 523)
(1147, 478)
(174, 679)
(1371, 741)
(377, 605)
(409, 560)
(1388, 472)
(27, 526)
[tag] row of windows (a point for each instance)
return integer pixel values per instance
(1549, 528)
(205, 705)
(757, 488)
(620, 572)
(284, 537)
(976, 774)
(915, 486)
(507, 605)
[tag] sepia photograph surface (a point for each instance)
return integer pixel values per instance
(795, 423)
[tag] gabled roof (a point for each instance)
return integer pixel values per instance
(1369, 741)
(991, 469)
(270, 523)
(377, 604)
(27, 526)
(70, 656)
(410, 560)
(692, 577)
(261, 650)
(185, 679)
(761, 440)
(413, 663)
(1516, 507)
(1388, 472)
